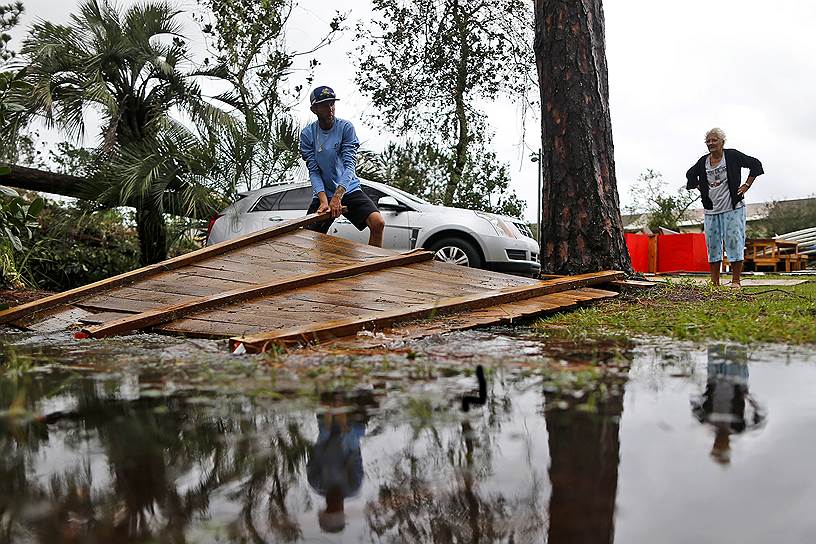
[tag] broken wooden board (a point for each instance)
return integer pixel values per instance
(327, 330)
(504, 314)
(286, 285)
(11, 314)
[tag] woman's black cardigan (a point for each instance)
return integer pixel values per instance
(735, 161)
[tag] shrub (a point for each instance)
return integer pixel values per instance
(75, 246)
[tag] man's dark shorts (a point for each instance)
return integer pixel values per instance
(359, 205)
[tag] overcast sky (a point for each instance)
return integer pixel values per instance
(676, 69)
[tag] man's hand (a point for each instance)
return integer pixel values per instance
(336, 203)
(324, 203)
(745, 186)
(336, 206)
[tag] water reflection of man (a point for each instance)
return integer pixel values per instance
(335, 465)
(726, 404)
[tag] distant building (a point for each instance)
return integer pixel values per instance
(693, 221)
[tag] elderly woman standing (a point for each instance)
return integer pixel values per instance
(718, 176)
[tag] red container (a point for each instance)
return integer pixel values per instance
(638, 245)
(682, 253)
(673, 252)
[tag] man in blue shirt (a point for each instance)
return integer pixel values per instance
(329, 147)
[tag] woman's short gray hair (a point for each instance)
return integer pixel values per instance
(718, 132)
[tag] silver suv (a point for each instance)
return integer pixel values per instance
(465, 237)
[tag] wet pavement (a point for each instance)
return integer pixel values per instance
(150, 439)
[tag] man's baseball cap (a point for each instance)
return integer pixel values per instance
(322, 94)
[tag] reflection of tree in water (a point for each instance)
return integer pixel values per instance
(166, 459)
(584, 456)
(726, 404)
(433, 492)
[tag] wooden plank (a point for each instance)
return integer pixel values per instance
(473, 274)
(170, 313)
(493, 315)
(388, 284)
(311, 240)
(105, 303)
(416, 274)
(177, 262)
(259, 342)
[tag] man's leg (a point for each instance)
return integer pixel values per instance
(714, 245)
(735, 242)
(715, 272)
(736, 270)
(376, 224)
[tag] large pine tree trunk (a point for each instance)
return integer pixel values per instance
(463, 136)
(581, 225)
(152, 232)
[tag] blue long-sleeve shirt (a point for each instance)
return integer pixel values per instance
(331, 156)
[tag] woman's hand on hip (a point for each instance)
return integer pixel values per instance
(743, 188)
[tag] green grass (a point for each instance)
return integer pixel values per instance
(686, 311)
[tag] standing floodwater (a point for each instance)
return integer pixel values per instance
(139, 440)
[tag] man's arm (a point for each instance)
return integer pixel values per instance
(336, 204)
(745, 186)
(755, 168)
(348, 159)
(692, 181)
(349, 144)
(307, 151)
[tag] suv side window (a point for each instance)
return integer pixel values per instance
(268, 203)
(373, 194)
(296, 199)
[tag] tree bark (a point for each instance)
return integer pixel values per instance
(584, 459)
(152, 232)
(31, 179)
(581, 227)
(150, 225)
(463, 137)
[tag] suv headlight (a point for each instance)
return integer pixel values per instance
(499, 225)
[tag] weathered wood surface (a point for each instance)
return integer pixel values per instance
(66, 297)
(503, 314)
(210, 300)
(351, 325)
(288, 284)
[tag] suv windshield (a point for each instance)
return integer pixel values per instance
(409, 197)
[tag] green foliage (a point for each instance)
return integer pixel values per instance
(789, 216)
(75, 246)
(687, 311)
(664, 210)
(9, 18)
(423, 169)
(16, 216)
(248, 43)
(14, 146)
(419, 58)
(17, 221)
(425, 65)
(131, 66)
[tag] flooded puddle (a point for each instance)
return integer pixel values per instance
(149, 439)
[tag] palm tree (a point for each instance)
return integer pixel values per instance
(130, 67)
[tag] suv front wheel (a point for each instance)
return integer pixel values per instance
(456, 251)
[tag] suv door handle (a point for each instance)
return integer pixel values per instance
(276, 218)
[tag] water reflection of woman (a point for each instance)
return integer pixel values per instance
(335, 465)
(726, 404)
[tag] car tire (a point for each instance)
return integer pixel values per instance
(456, 251)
